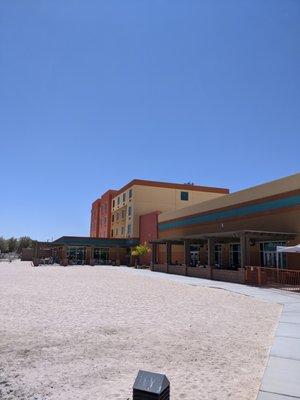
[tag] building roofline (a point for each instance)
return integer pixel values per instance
(198, 188)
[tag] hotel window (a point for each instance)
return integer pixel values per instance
(112, 233)
(123, 214)
(130, 193)
(113, 218)
(129, 211)
(129, 229)
(116, 231)
(114, 203)
(117, 216)
(118, 200)
(184, 196)
(122, 230)
(124, 197)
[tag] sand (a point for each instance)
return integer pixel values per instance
(84, 332)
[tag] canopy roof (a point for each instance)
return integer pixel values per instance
(94, 242)
(288, 249)
(228, 236)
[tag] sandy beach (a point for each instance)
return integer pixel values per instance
(84, 332)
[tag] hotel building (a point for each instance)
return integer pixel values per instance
(139, 197)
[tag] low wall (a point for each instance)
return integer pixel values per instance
(160, 268)
(199, 272)
(27, 255)
(203, 272)
(177, 269)
(229, 275)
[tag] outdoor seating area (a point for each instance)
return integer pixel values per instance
(228, 256)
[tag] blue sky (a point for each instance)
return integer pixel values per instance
(96, 93)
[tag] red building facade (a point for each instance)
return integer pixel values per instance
(101, 215)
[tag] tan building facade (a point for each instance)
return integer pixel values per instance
(239, 229)
(141, 197)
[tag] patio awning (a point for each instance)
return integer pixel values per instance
(288, 249)
(228, 237)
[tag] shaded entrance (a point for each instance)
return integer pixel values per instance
(76, 255)
(101, 255)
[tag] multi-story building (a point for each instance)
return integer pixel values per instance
(140, 197)
(101, 215)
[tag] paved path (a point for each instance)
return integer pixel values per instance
(281, 380)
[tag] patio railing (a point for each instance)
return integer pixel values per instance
(286, 279)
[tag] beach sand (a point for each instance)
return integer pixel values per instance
(84, 332)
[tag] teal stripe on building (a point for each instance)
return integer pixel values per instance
(232, 213)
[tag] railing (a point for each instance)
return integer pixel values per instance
(286, 279)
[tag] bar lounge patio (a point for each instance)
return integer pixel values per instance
(224, 256)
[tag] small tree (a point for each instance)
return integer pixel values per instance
(25, 242)
(3, 245)
(12, 244)
(140, 250)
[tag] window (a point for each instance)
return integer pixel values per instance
(113, 218)
(123, 214)
(129, 229)
(184, 196)
(114, 203)
(129, 211)
(122, 230)
(117, 216)
(124, 197)
(268, 257)
(116, 231)
(101, 255)
(235, 255)
(118, 200)
(130, 193)
(112, 233)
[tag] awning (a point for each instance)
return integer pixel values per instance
(228, 237)
(288, 249)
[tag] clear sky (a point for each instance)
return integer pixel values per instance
(94, 93)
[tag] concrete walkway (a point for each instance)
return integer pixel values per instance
(281, 380)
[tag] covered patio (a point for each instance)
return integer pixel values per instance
(205, 262)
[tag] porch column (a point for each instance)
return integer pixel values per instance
(92, 260)
(64, 259)
(118, 255)
(211, 253)
(244, 243)
(187, 253)
(87, 256)
(169, 254)
(153, 253)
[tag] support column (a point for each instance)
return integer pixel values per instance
(118, 256)
(244, 243)
(211, 261)
(211, 253)
(153, 254)
(64, 259)
(187, 254)
(92, 261)
(169, 254)
(87, 256)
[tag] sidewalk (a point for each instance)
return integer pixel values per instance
(281, 380)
